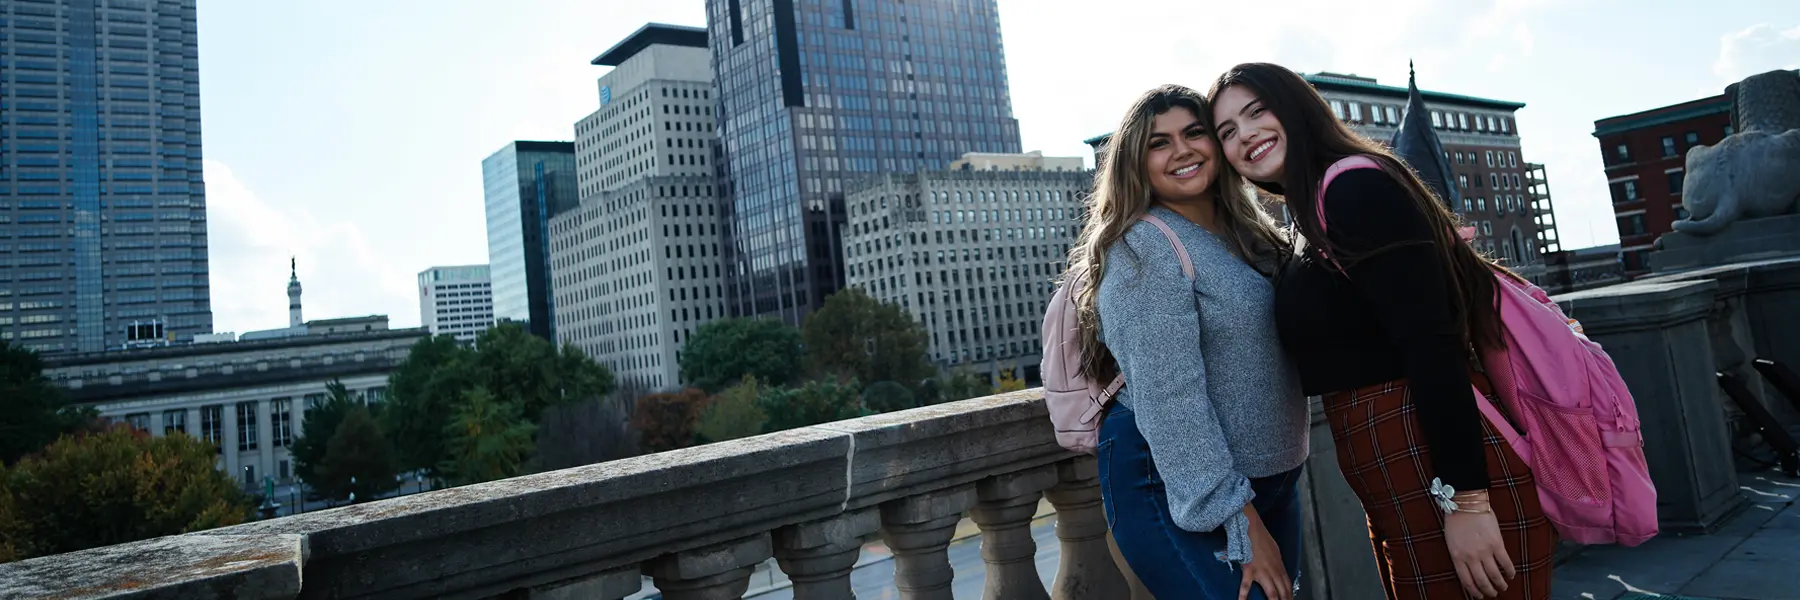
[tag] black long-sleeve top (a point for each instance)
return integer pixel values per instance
(1389, 315)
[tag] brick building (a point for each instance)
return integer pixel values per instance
(1645, 156)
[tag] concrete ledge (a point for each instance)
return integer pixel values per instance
(184, 567)
(552, 529)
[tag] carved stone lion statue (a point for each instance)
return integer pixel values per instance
(1754, 172)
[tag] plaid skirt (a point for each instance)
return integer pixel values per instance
(1382, 453)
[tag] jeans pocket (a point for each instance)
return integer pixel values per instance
(1103, 456)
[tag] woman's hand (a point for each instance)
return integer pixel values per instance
(1476, 547)
(1265, 568)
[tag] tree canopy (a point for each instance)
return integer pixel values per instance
(33, 412)
(855, 336)
(725, 351)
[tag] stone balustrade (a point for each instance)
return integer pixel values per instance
(696, 520)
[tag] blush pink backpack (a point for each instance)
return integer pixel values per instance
(1573, 420)
(1076, 400)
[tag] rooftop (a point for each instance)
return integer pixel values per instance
(1353, 83)
(198, 350)
(649, 35)
(1674, 113)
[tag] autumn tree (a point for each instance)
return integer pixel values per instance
(112, 487)
(855, 336)
(358, 462)
(668, 421)
(724, 351)
(733, 414)
(1008, 383)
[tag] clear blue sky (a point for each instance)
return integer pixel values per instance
(350, 134)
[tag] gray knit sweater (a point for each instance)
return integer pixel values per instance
(1213, 393)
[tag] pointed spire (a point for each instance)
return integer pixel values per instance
(1416, 142)
(293, 268)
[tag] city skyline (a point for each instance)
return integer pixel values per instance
(371, 130)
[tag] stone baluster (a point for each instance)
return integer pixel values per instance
(1087, 569)
(918, 530)
(719, 572)
(819, 555)
(1007, 504)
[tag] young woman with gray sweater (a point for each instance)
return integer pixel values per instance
(1200, 453)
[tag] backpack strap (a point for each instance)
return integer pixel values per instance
(1356, 161)
(1187, 268)
(1187, 265)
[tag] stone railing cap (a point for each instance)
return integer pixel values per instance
(243, 567)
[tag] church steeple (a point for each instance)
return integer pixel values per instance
(1417, 143)
(293, 290)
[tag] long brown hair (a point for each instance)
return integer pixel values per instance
(1316, 139)
(1122, 194)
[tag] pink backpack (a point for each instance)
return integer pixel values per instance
(1075, 400)
(1576, 424)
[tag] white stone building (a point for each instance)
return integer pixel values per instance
(639, 264)
(456, 301)
(970, 254)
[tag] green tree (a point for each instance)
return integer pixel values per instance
(488, 439)
(668, 421)
(733, 414)
(963, 384)
(855, 336)
(33, 412)
(425, 391)
(358, 460)
(887, 396)
(507, 364)
(322, 420)
(111, 487)
(810, 404)
(727, 350)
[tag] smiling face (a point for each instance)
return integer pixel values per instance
(1180, 159)
(1250, 136)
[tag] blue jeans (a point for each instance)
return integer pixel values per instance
(1173, 562)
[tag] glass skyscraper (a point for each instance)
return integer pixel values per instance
(526, 183)
(102, 203)
(816, 93)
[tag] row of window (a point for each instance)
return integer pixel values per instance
(1390, 114)
(1668, 146)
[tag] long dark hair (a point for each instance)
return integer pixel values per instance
(1316, 139)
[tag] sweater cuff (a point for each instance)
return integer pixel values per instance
(1237, 540)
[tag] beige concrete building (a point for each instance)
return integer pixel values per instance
(456, 301)
(970, 254)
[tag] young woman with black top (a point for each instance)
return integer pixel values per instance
(1381, 311)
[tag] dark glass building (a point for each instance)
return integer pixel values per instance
(526, 183)
(814, 94)
(102, 203)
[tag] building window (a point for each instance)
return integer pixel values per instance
(1624, 152)
(174, 421)
(1675, 180)
(1462, 121)
(1631, 224)
(375, 395)
(1437, 119)
(246, 422)
(1512, 160)
(139, 421)
(1693, 139)
(1356, 112)
(1337, 108)
(1627, 193)
(212, 424)
(281, 422)
(1393, 115)
(284, 470)
(1490, 158)
(1668, 145)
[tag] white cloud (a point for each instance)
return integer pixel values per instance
(1756, 49)
(250, 241)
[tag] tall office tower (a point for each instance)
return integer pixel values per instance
(970, 253)
(102, 204)
(639, 265)
(526, 183)
(456, 301)
(813, 94)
